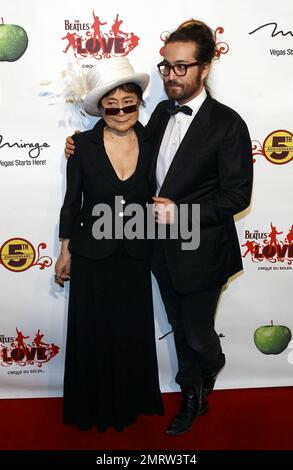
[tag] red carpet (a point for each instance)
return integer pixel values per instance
(258, 419)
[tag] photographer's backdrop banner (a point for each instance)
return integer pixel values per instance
(44, 45)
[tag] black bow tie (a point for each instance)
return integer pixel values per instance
(179, 109)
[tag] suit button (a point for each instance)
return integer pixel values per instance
(122, 201)
(81, 224)
(120, 214)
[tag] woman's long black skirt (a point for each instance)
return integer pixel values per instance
(111, 373)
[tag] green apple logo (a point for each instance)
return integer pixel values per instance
(272, 339)
(13, 42)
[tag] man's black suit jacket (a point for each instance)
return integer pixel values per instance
(212, 167)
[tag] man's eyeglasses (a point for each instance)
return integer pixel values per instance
(179, 69)
(126, 109)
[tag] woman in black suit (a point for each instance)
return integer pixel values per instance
(111, 374)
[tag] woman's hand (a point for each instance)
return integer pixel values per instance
(62, 268)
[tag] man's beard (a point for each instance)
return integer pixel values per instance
(183, 92)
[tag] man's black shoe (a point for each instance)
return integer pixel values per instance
(194, 403)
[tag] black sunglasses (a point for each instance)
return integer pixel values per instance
(126, 109)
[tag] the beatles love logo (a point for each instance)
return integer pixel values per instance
(18, 351)
(99, 41)
(270, 247)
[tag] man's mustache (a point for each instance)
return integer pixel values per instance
(173, 83)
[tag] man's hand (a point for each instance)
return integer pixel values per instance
(69, 145)
(164, 210)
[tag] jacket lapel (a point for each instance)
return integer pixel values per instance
(97, 154)
(100, 159)
(191, 141)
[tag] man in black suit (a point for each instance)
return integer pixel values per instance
(202, 155)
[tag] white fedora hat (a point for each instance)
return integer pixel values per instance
(107, 75)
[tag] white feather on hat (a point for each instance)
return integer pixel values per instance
(75, 84)
(87, 88)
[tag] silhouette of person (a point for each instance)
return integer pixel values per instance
(20, 343)
(71, 37)
(132, 42)
(97, 31)
(250, 248)
(38, 339)
(290, 235)
(116, 27)
(54, 349)
(19, 339)
(273, 236)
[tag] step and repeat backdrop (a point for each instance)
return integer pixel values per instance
(45, 46)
